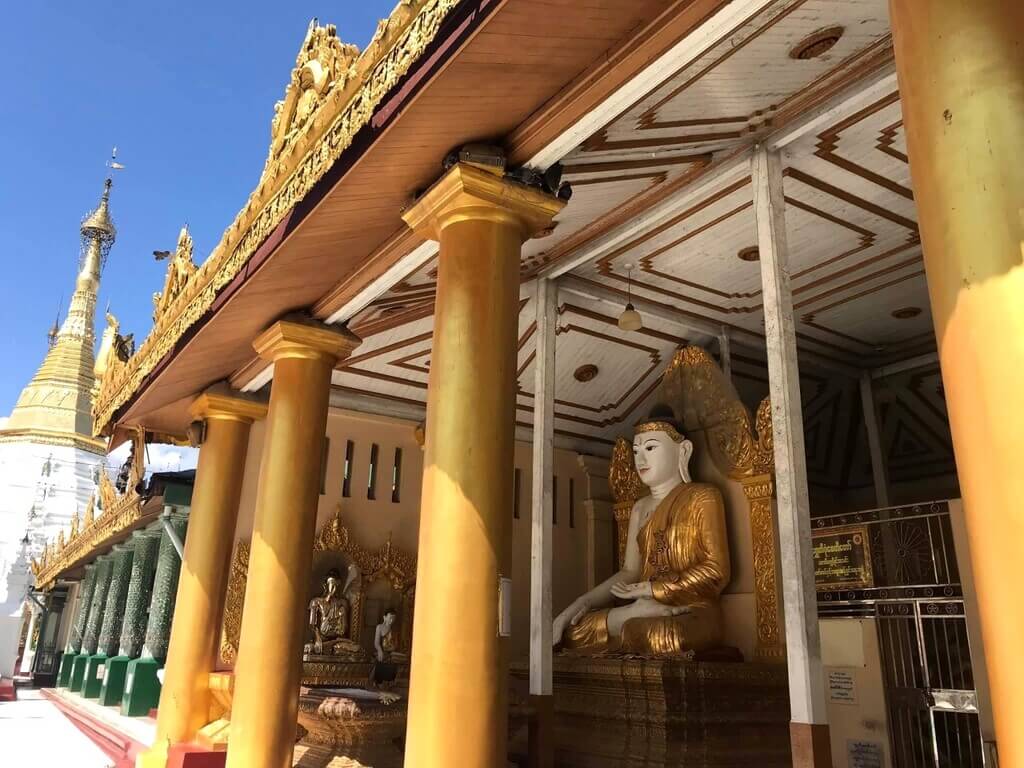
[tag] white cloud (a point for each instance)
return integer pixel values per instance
(160, 457)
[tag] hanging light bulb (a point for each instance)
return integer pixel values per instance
(630, 319)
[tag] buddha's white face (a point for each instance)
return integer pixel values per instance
(656, 456)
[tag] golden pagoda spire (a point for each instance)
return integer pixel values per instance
(51, 335)
(56, 405)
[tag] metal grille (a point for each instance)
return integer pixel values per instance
(917, 601)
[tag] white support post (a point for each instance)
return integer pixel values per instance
(878, 470)
(803, 643)
(725, 353)
(543, 455)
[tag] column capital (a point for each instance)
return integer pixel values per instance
(304, 340)
(468, 193)
(221, 402)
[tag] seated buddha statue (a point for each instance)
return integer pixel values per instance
(664, 601)
(329, 615)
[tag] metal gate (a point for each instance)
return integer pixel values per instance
(46, 662)
(917, 602)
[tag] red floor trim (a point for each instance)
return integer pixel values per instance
(118, 746)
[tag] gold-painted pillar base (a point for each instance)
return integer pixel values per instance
(457, 699)
(961, 75)
(265, 702)
(185, 696)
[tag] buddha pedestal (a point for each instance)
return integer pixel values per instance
(612, 712)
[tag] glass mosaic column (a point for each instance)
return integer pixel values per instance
(74, 646)
(145, 546)
(110, 629)
(140, 591)
(110, 622)
(91, 638)
(142, 686)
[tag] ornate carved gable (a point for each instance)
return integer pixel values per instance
(324, 64)
(181, 268)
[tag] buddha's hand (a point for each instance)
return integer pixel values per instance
(634, 591)
(569, 617)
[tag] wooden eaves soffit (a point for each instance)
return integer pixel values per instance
(333, 93)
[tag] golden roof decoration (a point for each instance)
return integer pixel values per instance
(308, 151)
(120, 511)
(324, 63)
(89, 512)
(179, 271)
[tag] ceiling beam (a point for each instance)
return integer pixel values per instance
(877, 85)
(721, 173)
(911, 364)
(689, 325)
(396, 273)
(716, 28)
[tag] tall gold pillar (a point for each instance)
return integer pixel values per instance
(265, 710)
(458, 687)
(961, 77)
(185, 697)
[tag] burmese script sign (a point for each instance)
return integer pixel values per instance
(842, 558)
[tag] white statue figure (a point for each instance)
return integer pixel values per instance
(383, 642)
(664, 599)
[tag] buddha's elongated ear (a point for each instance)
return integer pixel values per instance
(685, 452)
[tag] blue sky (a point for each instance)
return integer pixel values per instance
(185, 90)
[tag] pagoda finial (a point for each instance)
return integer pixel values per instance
(55, 328)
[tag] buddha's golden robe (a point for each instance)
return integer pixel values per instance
(684, 553)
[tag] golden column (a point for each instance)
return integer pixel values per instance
(457, 698)
(265, 712)
(185, 698)
(961, 77)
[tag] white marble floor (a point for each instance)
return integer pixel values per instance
(34, 734)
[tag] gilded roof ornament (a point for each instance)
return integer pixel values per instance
(90, 511)
(297, 160)
(323, 64)
(120, 511)
(179, 271)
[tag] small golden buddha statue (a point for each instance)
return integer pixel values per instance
(329, 615)
(664, 599)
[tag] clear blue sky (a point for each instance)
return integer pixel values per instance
(185, 90)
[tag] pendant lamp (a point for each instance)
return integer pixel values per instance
(630, 319)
